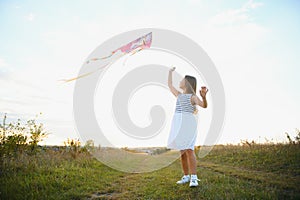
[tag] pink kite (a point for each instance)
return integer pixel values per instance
(133, 47)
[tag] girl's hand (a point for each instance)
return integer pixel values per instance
(172, 69)
(203, 91)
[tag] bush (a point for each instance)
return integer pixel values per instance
(17, 138)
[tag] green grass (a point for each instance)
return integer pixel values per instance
(227, 172)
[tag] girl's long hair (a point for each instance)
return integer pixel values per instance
(191, 86)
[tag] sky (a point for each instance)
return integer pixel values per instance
(254, 45)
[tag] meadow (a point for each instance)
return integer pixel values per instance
(258, 171)
(244, 171)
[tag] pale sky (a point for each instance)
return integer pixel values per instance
(254, 45)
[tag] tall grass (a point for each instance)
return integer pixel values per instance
(245, 171)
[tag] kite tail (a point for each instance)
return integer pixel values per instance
(95, 59)
(84, 75)
(89, 73)
(78, 77)
(112, 53)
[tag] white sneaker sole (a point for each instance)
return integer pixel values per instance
(194, 184)
(181, 183)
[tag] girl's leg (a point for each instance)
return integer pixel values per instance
(190, 154)
(185, 168)
(184, 162)
(192, 164)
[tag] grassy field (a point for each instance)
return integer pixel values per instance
(227, 172)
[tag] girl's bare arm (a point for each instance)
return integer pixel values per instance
(171, 87)
(196, 100)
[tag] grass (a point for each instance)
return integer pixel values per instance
(227, 172)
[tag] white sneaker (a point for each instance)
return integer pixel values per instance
(184, 179)
(194, 181)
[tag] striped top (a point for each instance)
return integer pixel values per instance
(183, 104)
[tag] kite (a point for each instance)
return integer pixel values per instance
(131, 48)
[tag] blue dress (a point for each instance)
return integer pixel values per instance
(183, 131)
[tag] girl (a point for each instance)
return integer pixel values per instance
(184, 125)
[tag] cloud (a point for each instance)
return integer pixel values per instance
(35, 88)
(12, 101)
(195, 2)
(4, 70)
(252, 5)
(30, 17)
(232, 35)
(3, 63)
(235, 16)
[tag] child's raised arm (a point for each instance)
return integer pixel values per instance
(197, 100)
(171, 87)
